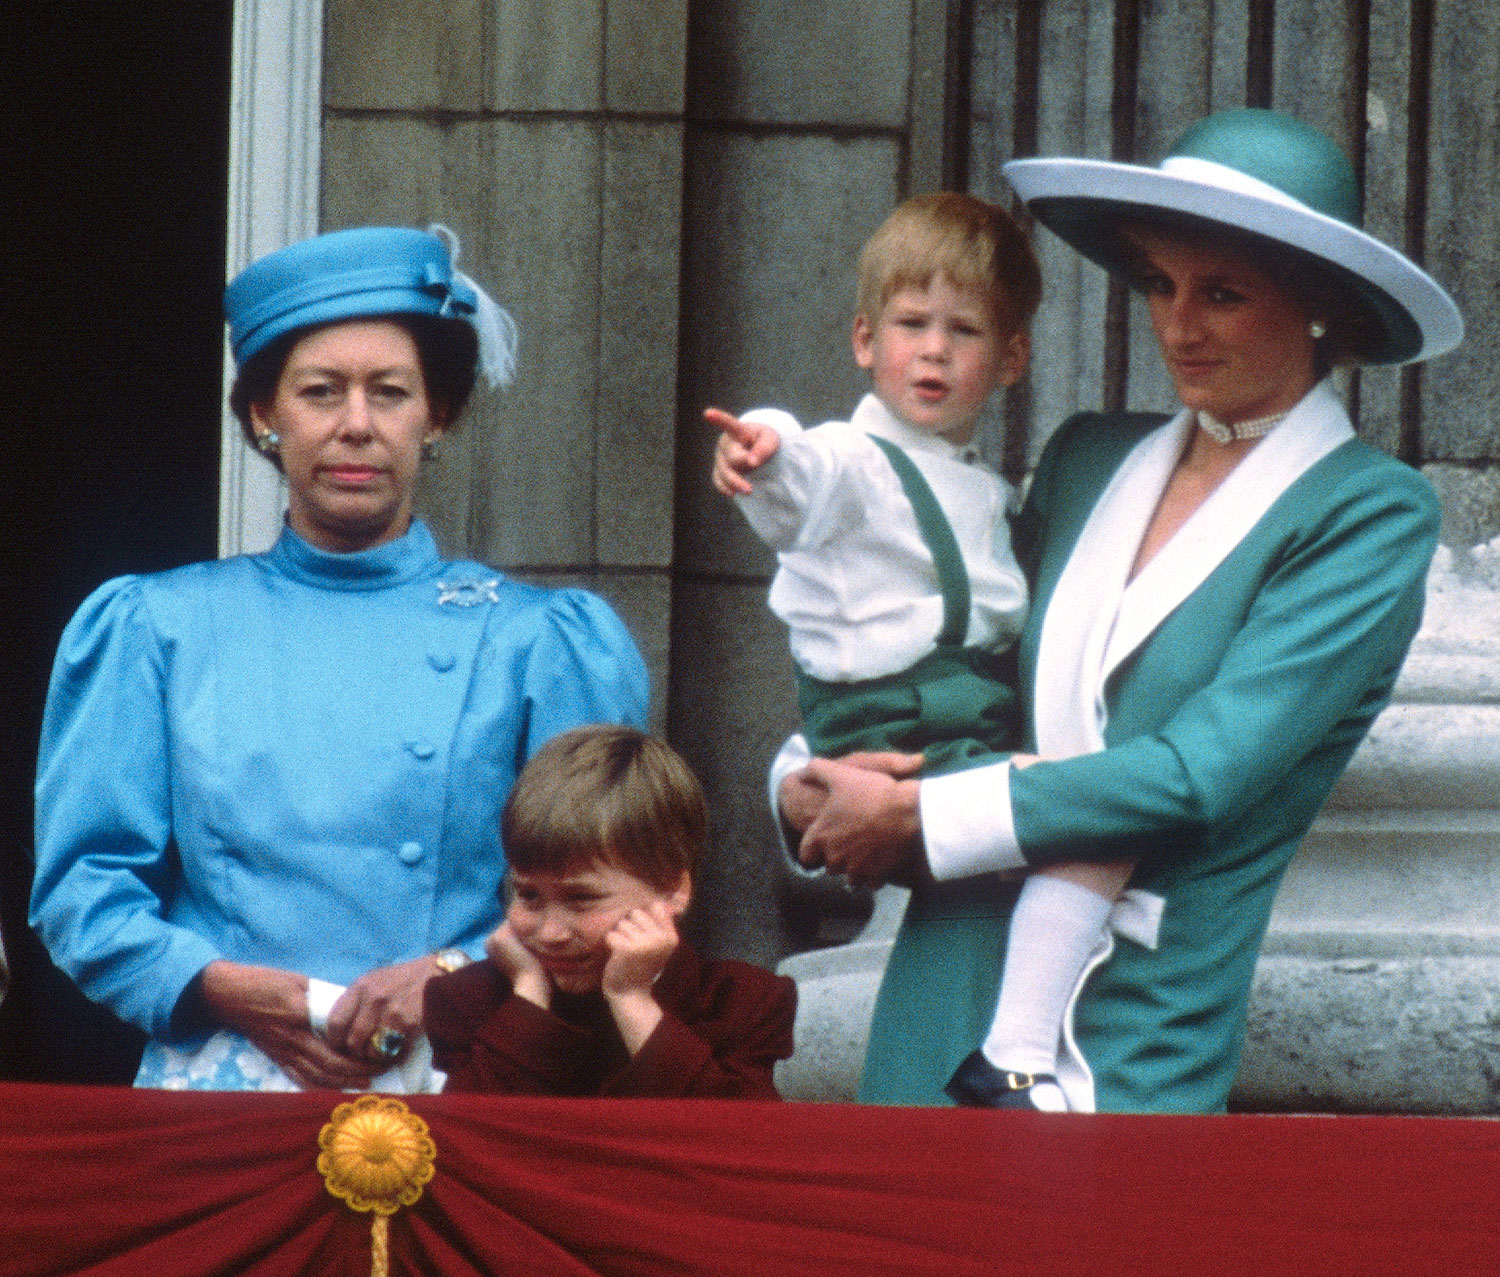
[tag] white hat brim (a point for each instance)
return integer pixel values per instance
(1071, 195)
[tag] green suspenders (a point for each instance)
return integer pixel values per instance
(953, 578)
(955, 704)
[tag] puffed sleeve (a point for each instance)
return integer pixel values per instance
(103, 816)
(583, 667)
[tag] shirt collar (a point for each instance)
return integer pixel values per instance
(874, 418)
(381, 567)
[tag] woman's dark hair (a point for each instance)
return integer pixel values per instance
(1320, 289)
(448, 350)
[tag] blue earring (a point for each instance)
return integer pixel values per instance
(269, 442)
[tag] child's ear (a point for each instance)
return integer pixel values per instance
(681, 896)
(1014, 357)
(864, 341)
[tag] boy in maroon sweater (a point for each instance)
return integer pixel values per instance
(589, 989)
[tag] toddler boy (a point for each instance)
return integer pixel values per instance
(897, 581)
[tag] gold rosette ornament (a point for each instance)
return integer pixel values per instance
(377, 1156)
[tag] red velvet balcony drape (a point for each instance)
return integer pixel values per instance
(104, 1181)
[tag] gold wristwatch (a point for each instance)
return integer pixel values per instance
(451, 960)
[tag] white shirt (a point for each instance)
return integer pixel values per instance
(856, 583)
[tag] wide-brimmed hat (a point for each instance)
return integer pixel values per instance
(365, 272)
(1264, 174)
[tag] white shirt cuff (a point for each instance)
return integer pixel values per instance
(967, 823)
(321, 995)
(792, 757)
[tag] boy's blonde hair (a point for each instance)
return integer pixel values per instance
(974, 243)
(606, 793)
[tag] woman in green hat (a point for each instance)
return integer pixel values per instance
(1221, 601)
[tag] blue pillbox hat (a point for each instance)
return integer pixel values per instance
(349, 274)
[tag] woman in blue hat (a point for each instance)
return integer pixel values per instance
(1221, 601)
(269, 787)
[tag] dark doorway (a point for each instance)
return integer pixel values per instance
(113, 151)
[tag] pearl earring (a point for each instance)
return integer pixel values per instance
(269, 442)
(1317, 330)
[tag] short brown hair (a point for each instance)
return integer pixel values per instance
(607, 793)
(974, 243)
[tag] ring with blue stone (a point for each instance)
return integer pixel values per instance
(387, 1043)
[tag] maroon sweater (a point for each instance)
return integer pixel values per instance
(725, 1024)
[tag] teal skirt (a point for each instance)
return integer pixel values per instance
(937, 997)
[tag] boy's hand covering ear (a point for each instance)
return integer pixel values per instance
(743, 446)
(639, 947)
(519, 965)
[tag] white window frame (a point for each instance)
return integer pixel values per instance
(275, 145)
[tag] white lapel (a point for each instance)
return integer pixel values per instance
(1313, 429)
(1095, 620)
(1082, 608)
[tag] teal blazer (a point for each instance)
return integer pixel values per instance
(1226, 724)
(1226, 730)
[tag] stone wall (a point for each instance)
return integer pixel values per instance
(549, 137)
(803, 132)
(670, 203)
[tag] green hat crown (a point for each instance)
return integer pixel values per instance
(1281, 151)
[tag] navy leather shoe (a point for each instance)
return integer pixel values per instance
(978, 1084)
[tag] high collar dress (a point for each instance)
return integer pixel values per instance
(298, 759)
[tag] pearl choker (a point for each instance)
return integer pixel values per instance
(1252, 429)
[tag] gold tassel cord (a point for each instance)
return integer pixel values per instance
(377, 1156)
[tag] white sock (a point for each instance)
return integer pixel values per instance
(1053, 933)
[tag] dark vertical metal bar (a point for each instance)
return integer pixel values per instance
(1359, 16)
(1418, 141)
(1028, 77)
(1260, 41)
(958, 95)
(1024, 134)
(1124, 91)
